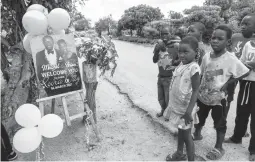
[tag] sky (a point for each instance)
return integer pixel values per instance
(95, 9)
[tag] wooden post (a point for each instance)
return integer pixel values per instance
(53, 103)
(41, 107)
(68, 121)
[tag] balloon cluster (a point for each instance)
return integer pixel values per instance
(29, 138)
(37, 21)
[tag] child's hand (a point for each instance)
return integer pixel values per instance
(187, 117)
(251, 64)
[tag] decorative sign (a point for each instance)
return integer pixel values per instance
(56, 63)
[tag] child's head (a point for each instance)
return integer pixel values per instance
(196, 30)
(248, 25)
(188, 49)
(221, 38)
(162, 46)
(165, 34)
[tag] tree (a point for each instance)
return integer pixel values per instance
(20, 73)
(240, 8)
(225, 5)
(154, 28)
(105, 24)
(208, 15)
(80, 22)
(136, 17)
(174, 15)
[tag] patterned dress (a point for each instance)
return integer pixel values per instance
(180, 94)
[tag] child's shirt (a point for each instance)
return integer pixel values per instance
(164, 63)
(238, 42)
(248, 54)
(215, 73)
(181, 87)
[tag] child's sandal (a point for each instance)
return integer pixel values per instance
(196, 138)
(176, 157)
(215, 154)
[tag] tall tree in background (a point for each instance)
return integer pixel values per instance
(19, 72)
(80, 22)
(136, 17)
(105, 24)
(224, 5)
(174, 15)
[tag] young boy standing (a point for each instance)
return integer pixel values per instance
(164, 61)
(245, 101)
(197, 30)
(238, 41)
(219, 68)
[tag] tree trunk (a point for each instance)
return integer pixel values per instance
(131, 32)
(21, 74)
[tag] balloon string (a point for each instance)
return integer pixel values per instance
(40, 152)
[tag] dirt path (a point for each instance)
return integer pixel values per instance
(128, 133)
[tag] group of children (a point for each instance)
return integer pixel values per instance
(191, 83)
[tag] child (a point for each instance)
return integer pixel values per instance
(173, 47)
(237, 43)
(197, 30)
(219, 69)
(183, 96)
(245, 101)
(164, 60)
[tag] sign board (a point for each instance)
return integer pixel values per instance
(56, 63)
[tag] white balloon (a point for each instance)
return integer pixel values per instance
(50, 126)
(38, 7)
(28, 115)
(26, 42)
(35, 22)
(59, 19)
(27, 140)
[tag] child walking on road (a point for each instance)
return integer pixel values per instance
(219, 69)
(245, 101)
(183, 96)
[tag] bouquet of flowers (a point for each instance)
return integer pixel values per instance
(99, 51)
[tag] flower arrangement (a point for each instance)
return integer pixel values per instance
(99, 51)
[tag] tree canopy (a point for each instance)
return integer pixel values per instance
(174, 15)
(105, 23)
(136, 17)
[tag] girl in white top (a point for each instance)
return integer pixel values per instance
(182, 98)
